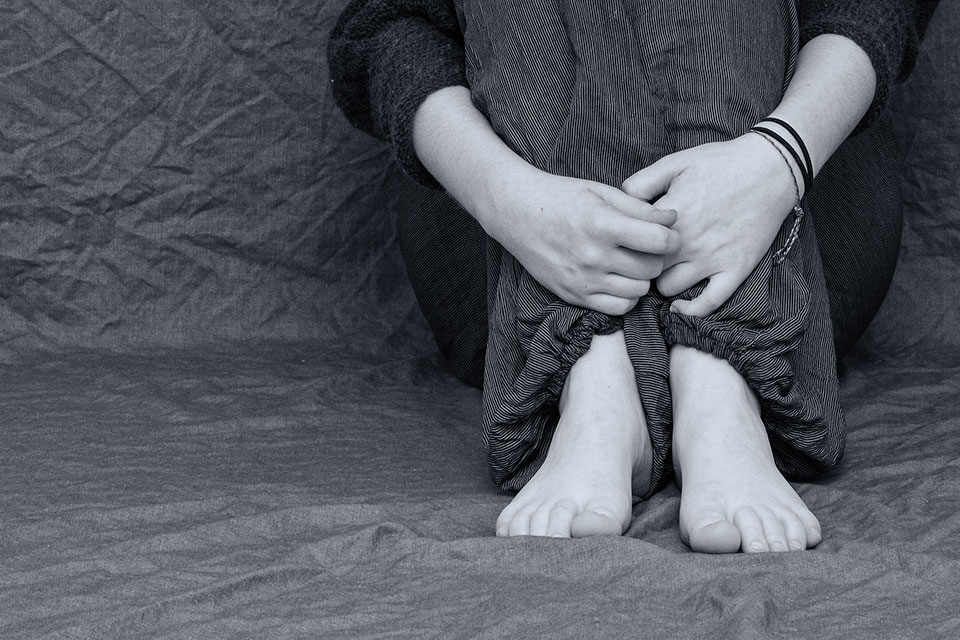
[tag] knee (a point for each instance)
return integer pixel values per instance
(467, 364)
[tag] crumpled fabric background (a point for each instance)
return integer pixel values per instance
(222, 414)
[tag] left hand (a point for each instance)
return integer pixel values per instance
(731, 198)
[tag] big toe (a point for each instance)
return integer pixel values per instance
(596, 522)
(714, 535)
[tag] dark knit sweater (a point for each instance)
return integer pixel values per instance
(387, 56)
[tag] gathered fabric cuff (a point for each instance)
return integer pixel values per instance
(535, 339)
(759, 332)
(521, 415)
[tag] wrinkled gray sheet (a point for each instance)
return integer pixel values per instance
(222, 415)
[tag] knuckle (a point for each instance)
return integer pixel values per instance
(588, 255)
(593, 227)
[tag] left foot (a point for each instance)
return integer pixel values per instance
(733, 496)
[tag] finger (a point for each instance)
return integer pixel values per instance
(653, 181)
(637, 208)
(635, 265)
(619, 286)
(679, 278)
(610, 305)
(717, 291)
(643, 236)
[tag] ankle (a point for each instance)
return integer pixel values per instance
(697, 377)
(713, 405)
(604, 371)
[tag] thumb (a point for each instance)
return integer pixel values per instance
(718, 290)
(651, 182)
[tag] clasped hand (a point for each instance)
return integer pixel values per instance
(716, 210)
(732, 197)
(591, 244)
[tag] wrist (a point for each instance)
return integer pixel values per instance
(782, 164)
(788, 143)
(780, 176)
(498, 196)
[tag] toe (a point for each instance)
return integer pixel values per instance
(505, 518)
(793, 527)
(811, 526)
(752, 538)
(706, 529)
(540, 521)
(714, 536)
(520, 524)
(561, 517)
(595, 521)
(773, 530)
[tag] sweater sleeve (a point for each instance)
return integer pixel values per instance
(889, 31)
(386, 57)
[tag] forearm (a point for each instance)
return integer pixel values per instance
(457, 145)
(832, 88)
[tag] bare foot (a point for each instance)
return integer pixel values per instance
(733, 497)
(599, 457)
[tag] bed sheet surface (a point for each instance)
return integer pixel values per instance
(286, 492)
(222, 415)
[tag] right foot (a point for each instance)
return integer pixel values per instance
(599, 457)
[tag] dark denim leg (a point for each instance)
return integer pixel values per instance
(858, 212)
(445, 252)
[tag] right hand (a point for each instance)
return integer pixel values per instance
(591, 244)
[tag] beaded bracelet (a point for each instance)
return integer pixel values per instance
(797, 209)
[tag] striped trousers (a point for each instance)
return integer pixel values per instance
(597, 92)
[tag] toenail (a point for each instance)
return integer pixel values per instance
(796, 545)
(757, 546)
(778, 546)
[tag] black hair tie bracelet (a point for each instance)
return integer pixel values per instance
(804, 171)
(796, 136)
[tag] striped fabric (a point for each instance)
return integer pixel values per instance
(597, 91)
